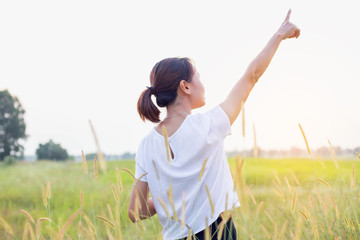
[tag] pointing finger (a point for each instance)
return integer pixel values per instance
(288, 15)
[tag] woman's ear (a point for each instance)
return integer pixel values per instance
(185, 87)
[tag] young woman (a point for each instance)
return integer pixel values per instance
(182, 171)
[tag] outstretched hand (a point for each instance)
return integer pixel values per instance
(288, 29)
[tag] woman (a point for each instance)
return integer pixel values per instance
(187, 172)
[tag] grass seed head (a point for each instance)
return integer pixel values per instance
(95, 169)
(28, 215)
(84, 162)
(306, 142)
(6, 226)
(167, 145)
(210, 200)
(202, 168)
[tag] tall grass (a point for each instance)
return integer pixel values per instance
(280, 199)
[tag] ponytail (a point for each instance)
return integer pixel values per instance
(165, 78)
(146, 107)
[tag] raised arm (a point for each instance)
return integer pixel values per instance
(243, 87)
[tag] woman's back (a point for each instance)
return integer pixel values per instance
(198, 139)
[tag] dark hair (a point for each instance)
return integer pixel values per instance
(165, 78)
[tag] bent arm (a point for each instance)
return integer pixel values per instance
(140, 207)
(241, 90)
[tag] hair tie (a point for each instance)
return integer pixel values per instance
(152, 90)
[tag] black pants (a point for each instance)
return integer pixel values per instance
(229, 232)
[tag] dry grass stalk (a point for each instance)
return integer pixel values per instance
(358, 155)
(337, 213)
(207, 229)
(167, 145)
(95, 170)
(352, 177)
(202, 169)
(91, 226)
(156, 170)
(292, 235)
(68, 223)
(288, 185)
(266, 232)
(276, 176)
(346, 222)
(225, 216)
(129, 172)
(332, 202)
(275, 230)
(26, 231)
(84, 162)
(303, 215)
(115, 194)
(311, 201)
(283, 230)
(294, 177)
(259, 208)
(293, 202)
(137, 180)
(352, 225)
(189, 237)
(221, 229)
(255, 145)
(333, 155)
(109, 234)
(110, 213)
(38, 226)
(210, 200)
(105, 220)
(183, 210)
(28, 215)
(31, 231)
(162, 203)
(48, 189)
(243, 118)
(280, 194)
(118, 234)
(100, 155)
(251, 195)
(269, 216)
(118, 177)
(307, 212)
(171, 200)
(44, 195)
(323, 182)
(298, 228)
(81, 199)
(306, 142)
(6, 226)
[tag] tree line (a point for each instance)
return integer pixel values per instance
(13, 133)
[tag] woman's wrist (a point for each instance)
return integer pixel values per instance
(280, 35)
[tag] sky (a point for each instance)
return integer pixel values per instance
(71, 61)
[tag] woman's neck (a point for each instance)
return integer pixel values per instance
(178, 108)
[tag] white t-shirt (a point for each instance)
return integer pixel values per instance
(199, 137)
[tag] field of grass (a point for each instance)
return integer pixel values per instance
(281, 199)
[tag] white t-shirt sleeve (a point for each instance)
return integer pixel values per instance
(219, 122)
(139, 165)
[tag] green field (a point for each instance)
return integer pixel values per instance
(281, 199)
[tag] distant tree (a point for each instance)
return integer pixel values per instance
(127, 155)
(12, 126)
(51, 151)
(90, 156)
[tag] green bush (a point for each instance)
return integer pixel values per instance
(9, 160)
